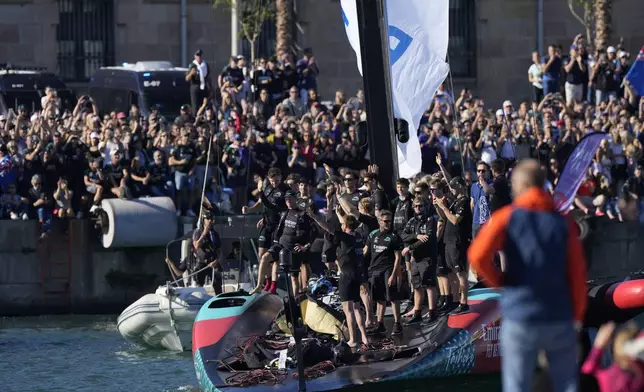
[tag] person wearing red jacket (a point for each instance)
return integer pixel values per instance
(544, 282)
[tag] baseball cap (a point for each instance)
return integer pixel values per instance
(507, 103)
(3, 117)
(499, 112)
(457, 181)
(121, 115)
(94, 135)
(290, 194)
(198, 52)
(611, 49)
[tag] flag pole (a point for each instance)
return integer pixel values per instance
(381, 138)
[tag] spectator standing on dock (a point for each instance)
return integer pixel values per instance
(544, 280)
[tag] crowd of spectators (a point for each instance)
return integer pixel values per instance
(61, 163)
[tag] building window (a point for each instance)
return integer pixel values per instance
(462, 38)
(85, 36)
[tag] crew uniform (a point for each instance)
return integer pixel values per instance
(349, 252)
(424, 254)
(329, 249)
(295, 227)
(368, 223)
(402, 213)
(273, 200)
(457, 237)
(206, 253)
(382, 247)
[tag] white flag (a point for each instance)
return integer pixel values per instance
(418, 38)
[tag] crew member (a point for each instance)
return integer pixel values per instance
(544, 284)
(437, 190)
(377, 197)
(403, 211)
(384, 247)
(293, 233)
(458, 221)
(272, 198)
(353, 195)
(367, 223)
(349, 252)
(206, 245)
(419, 237)
(304, 198)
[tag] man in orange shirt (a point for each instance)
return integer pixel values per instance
(544, 280)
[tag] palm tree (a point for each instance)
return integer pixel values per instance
(603, 23)
(284, 28)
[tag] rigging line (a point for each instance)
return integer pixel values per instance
(454, 113)
(205, 179)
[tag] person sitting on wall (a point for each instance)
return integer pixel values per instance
(206, 245)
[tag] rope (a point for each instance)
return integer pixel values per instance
(385, 344)
(255, 377)
(189, 276)
(317, 370)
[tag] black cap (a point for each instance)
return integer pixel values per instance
(290, 193)
(198, 52)
(457, 181)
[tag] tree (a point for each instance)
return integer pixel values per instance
(603, 23)
(596, 17)
(252, 14)
(284, 28)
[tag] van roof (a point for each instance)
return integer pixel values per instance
(146, 66)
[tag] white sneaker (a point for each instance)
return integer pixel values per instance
(25, 216)
(93, 208)
(191, 213)
(14, 216)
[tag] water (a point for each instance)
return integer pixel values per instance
(87, 354)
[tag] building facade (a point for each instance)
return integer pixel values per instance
(490, 40)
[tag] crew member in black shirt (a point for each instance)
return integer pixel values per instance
(293, 233)
(384, 247)
(353, 196)
(349, 254)
(272, 198)
(367, 223)
(457, 237)
(403, 211)
(206, 245)
(376, 196)
(438, 189)
(231, 79)
(419, 237)
(304, 198)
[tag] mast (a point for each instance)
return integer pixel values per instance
(374, 43)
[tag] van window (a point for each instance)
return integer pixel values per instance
(168, 90)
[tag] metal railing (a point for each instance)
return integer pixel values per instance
(85, 35)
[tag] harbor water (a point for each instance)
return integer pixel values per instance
(87, 354)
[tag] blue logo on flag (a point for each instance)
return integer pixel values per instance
(403, 41)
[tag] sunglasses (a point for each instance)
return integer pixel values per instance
(480, 171)
(385, 221)
(348, 179)
(419, 206)
(432, 190)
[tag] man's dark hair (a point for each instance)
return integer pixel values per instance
(273, 172)
(483, 163)
(385, 212)
(498, 166)
(402, 181)
(351, 222)
(423, 186)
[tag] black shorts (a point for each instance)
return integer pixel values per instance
(456, 257)
(329, 254)
(380, 289)
(423, 274)
(407, 259)
(265, 239)
(297, 258)
(349, 286)
(441, 264)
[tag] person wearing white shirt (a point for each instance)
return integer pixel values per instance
(535, 73)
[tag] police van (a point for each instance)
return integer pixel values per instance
(144, 84)
(25, 86)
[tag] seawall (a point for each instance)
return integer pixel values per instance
(70, 271)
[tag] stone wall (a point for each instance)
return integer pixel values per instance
(506, 33)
